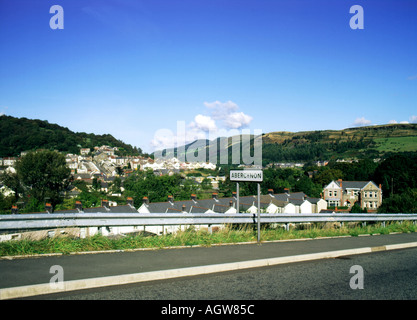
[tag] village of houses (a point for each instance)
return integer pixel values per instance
(104, 164)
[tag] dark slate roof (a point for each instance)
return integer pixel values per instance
(96, 210)
(196, 209)
(220, 208)
(123, 209)
(293, 195)
(353, 184)
(313, 200)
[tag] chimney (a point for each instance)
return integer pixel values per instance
(183, 208)
(287, 191)
(145, 200)
(171, 199)
(78, 206)
(48, 207)
(15, 210)
(380, 186)
(270, 192)
(214, 196)
(231, 204)
(234, 193)
(129, 201)
(193, 197)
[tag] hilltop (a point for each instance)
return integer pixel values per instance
(371, 141)
(359, 142)
(22, 134)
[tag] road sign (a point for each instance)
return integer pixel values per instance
(246, 175)
(249, 176)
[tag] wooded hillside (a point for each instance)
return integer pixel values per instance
(22, 134)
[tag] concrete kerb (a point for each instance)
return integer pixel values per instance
(41, 289)
(173, 247)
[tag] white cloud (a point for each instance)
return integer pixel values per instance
(205, 123)
(226, 113)
(412, 119)
(220, 110)
(361, 122)
(237, 120)
(224, 120)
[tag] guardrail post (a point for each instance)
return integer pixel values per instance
(210, 229)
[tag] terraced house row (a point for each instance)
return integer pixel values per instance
(286, 202)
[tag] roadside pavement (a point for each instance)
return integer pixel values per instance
(20, 277)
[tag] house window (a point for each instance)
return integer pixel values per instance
(335, 193)
(333, 203)
(330, 193)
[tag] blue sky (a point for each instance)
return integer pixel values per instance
(134, 68)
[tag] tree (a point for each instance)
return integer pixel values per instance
(119, 171)
(43, 175)
(328, 175)
(116, 186)
(405, 202)
(356, 208)
(11, 180)
(397, 174)
(96, 184)
(206, 184)
(306, 185)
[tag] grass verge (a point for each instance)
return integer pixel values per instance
(192, 237)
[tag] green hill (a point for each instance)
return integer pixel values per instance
(360, 142)
(22, 134)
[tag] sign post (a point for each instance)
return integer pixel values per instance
(237, 197)
(249, 176)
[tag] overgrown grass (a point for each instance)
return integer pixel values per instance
(192, 237)
(396, 144)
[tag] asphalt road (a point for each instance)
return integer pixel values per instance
(388, 275)
(20, 273)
